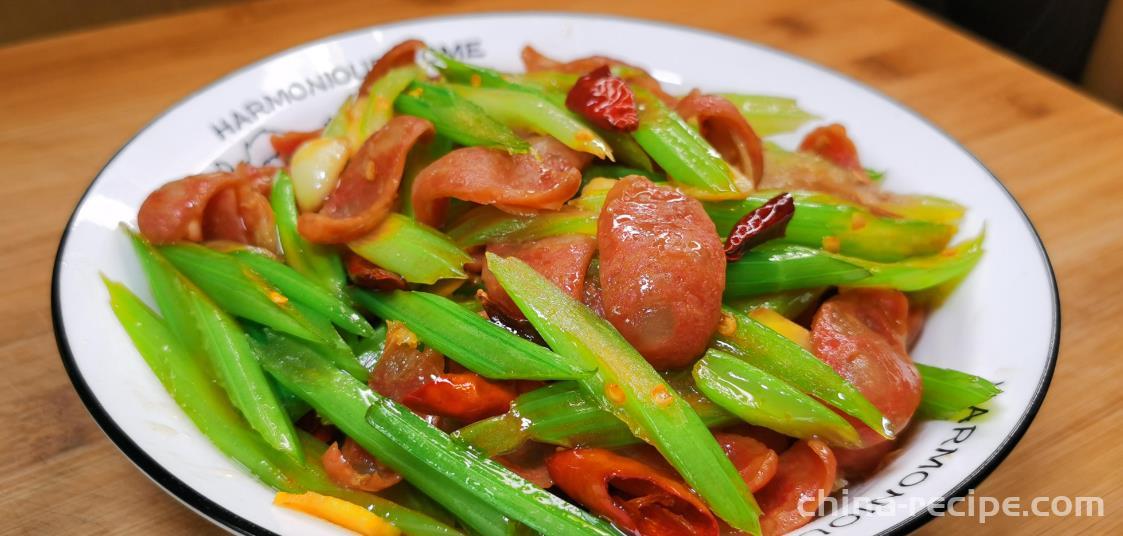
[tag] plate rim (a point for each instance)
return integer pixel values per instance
(227, 519)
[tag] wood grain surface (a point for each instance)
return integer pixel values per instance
(68, 103)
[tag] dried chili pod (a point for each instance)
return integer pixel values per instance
(605, 100)
(762, 224)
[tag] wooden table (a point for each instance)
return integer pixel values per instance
(69, 102)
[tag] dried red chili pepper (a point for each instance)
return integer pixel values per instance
(764, 223)
(832, 143)
(605, 100)
(467, 396)
(366, 274)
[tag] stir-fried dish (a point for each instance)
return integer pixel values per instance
(563, 301)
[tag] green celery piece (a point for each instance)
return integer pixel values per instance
(547, 80)
(412, 250)
(369, 349)
(241, 376)
(925, 208)
(319, 263)
(561, 414)
(760, 398)
(331, 345)
(457, 118)
(684, 154)
(462, 481)
(779, 267)
(858, 232)
(169, 290)
(790, 303)
(619, 144)
(469, 339)
(340, 123)
(484, 224)
(618, 172)
(626, 385)
(188, 381)
(768, 350)
(525, 110)
(237, 289)
(919, 273)
(508, 492)
(226, 347)
(947, 393)
(770, 115)
(300, 289)
(498, 435)
(381, 95)
(198, 394)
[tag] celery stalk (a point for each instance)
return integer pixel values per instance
(413, 250)
(468, 338)
(775, 354)
(318, 262)
(457, 118)
(760, 398)
(198, 394)
(947, 393)
(626, 385)
(770, 115)
(479, 491)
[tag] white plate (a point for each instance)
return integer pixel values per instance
(1002, 323)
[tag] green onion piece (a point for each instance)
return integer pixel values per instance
(484, 224)
(790, 303)
(457, 118)
(481, 493)
(947, 393)
(760, 398)
(299, 288)
(413, 250)
(779, 267)
(821, 218)
(626, 385)
(625, 149)
(237, 289)
(225, 345)
(469, 339)
(770, 115)
(685, 155)
(317, 262)
(526, 110)
(770, 351)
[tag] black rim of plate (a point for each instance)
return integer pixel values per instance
(232, 521)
